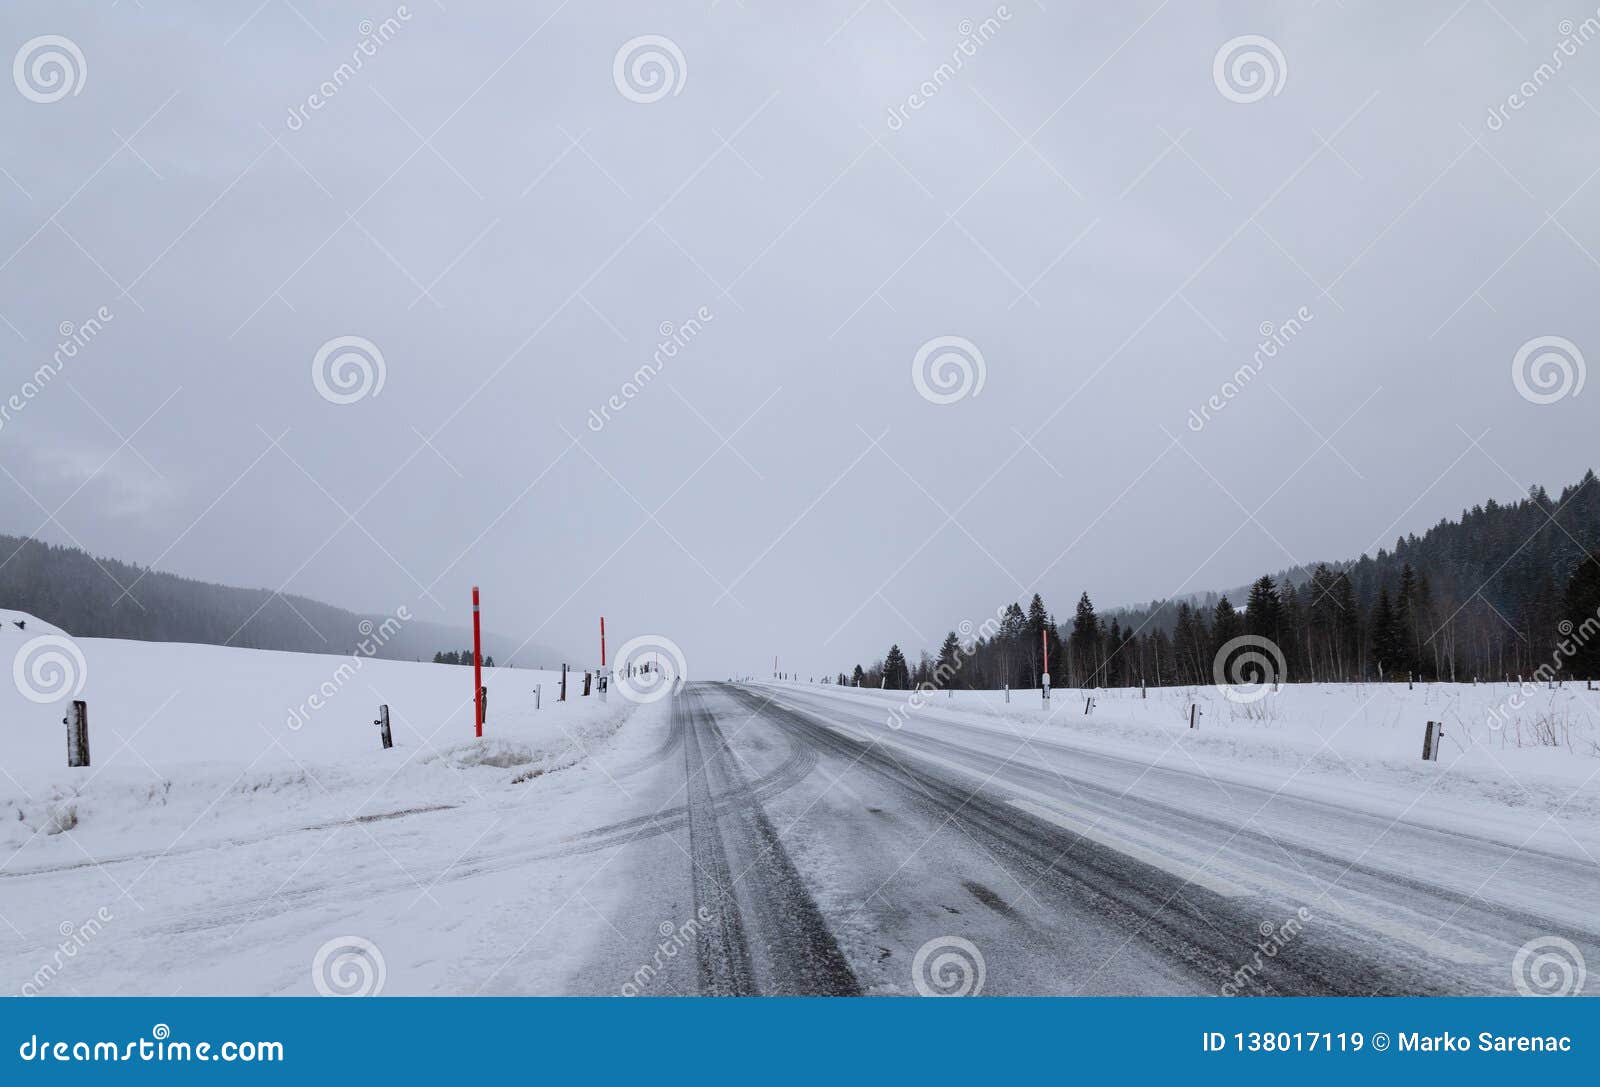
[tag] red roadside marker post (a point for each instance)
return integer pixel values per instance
(602, 642)
(477, 666)
(1044, 642)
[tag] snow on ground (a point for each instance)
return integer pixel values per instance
(236, 835)
(1511, 755)
(213, 742)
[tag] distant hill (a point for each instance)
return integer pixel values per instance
(1498, 592)
(76, 591)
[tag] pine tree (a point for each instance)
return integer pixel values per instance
(1387, 636)
(1263, 611)
(1084, 643)
(949, 666)
(1582, 607)
(896, 674)
(1225, 624)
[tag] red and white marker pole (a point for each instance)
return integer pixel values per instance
(602, 642)
(1044, 642)
(477, 665)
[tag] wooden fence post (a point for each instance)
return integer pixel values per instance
(1430, 741)
(483, 703)
(77, 722)
(1192, 712)
(383, 727)
(563, 697)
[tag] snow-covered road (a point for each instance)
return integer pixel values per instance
(767, 839)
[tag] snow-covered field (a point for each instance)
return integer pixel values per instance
(211, 743)
(240, 816)
(1506, 748)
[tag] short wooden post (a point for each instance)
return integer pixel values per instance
(1430, 741)
(77, 722)
(538, 689)
(588, 677)
(1193, 711)
(383, 727)
(563, 697)
(483, 703)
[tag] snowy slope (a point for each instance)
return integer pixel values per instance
(239, 740)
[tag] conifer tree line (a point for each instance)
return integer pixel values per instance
(450, 656)
(1502, 592)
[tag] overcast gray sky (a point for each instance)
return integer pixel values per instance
(487, 202)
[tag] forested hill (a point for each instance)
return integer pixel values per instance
(83, 595)
(1485, 595)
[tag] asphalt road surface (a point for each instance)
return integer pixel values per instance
(796, 845)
